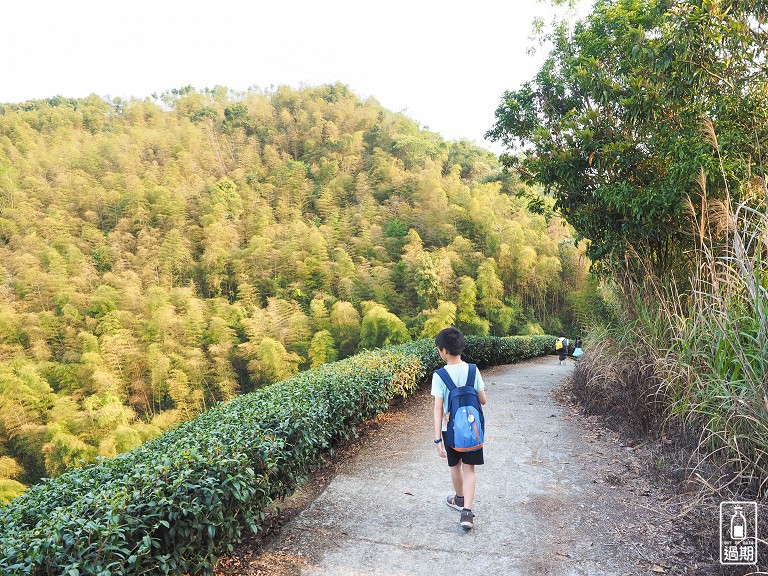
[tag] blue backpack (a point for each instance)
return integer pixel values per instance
(466, 423)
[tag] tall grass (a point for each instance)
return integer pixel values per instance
(618, 379)
(720, 382)
(724, 343)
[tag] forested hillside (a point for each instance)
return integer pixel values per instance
(160, 255)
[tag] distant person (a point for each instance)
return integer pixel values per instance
(561, 347)
(577, 350)
(450, 344)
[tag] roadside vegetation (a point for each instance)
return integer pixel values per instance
(648, 124)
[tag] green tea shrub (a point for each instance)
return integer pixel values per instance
(172, 505)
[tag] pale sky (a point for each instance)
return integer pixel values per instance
(444, 63)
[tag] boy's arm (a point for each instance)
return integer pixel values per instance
(480, 393)
(438, 421)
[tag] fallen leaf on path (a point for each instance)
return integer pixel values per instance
(658, 569)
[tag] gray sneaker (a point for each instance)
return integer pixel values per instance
(455, 502)
(467, 519)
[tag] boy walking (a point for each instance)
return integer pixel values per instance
(450, 344)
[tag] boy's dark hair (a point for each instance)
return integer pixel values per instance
(450, 339)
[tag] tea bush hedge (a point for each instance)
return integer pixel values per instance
(174, 504)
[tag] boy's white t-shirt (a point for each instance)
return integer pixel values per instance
(458, 373)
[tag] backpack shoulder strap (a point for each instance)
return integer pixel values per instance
(443, 373)
(471, 375)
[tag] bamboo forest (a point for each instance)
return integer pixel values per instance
(159, 255)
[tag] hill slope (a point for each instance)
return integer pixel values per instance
(159, 255)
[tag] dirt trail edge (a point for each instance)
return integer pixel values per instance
(556, 496)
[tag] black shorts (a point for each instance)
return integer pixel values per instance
(475, 457)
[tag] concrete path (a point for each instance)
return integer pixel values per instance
(543, 505)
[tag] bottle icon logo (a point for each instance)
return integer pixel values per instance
(738, 533)
(738, 524)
